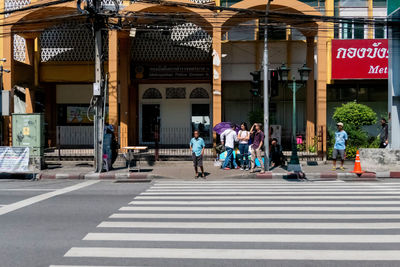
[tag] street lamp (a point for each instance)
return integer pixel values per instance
(294, 164)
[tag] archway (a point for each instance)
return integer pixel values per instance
(315, 116)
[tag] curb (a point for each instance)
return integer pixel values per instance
(95, 176)
(345, 176)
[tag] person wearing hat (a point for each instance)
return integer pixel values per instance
(340, 146)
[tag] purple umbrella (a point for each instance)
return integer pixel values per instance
(222, 126)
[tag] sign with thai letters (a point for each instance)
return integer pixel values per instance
(14, 159)
(360, 59)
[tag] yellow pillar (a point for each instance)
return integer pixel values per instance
(124, 84)
(37, 60)
(321, 100)
(1, 30)
(113, 78)
(216, 76)
(310, 126)
(8, 80)
(330, 33)
(370, 17)
(29, 59)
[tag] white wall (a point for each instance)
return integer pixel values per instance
(175, 113)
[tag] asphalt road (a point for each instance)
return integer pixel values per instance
(199, 223)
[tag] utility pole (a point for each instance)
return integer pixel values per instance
(98, 87)
(266, 90)
(93, 10)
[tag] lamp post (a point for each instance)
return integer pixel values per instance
(294, 164)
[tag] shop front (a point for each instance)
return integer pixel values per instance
(171, 71)
(359, 73)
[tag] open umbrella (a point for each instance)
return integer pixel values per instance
(222, 126)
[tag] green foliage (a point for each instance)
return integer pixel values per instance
(354, 114)
(301, 147)
(256, 116)
(313, 148)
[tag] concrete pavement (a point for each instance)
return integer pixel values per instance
(184, 170)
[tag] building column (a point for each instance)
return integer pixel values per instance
(124, 85)
(8, 80)
(310, 94)
(216, 76)
(321, 101)
(371, 17)
(113, 79)
(30, 60)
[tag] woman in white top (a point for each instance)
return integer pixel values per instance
(244, 137)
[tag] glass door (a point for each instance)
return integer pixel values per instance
(201, 120)
(150, 122)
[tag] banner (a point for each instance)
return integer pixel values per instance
(360, 59)
(14, 159)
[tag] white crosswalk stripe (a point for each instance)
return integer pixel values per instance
(227, 223)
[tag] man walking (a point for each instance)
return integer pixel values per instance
(340, 146)
(384, 135)
(258, 141)
(228, 138)
(197, 147)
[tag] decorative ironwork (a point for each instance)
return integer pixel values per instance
(71, 41)
(15, 4)
(176, 93)
(199, 93)
(152, 93)
(19, 42)
(202, 1)
(185, 42)
(19, 48)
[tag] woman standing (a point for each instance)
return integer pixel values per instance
(244, 136)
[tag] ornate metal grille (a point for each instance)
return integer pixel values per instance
(184, 42)
(176, 93)
(202, 1)
(15, 4)
(106, 3)
(19, 42)
(152, 93)
(199, 93)
(19, 48)
(70, 41)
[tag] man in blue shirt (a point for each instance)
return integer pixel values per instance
(197, 147)
(340, 146)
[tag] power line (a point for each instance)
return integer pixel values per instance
(30, 7)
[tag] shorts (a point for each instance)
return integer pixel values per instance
(197, 160)
(338, 151)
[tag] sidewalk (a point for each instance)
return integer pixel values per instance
(184, 170)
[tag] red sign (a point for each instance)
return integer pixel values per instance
(360, 59)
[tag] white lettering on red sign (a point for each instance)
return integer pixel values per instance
(371, 52)
(360, 59)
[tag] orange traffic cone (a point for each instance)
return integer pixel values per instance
(357, 165)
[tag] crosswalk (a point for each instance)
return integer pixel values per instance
(248, 223)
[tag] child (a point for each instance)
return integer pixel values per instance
(197, 146)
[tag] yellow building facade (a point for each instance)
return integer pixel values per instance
(57, 79)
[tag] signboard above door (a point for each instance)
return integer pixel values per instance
(165, 72)
(360, 59)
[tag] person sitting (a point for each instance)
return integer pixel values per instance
(276, 155)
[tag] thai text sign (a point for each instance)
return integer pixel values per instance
(14, 159)
(360, 59)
